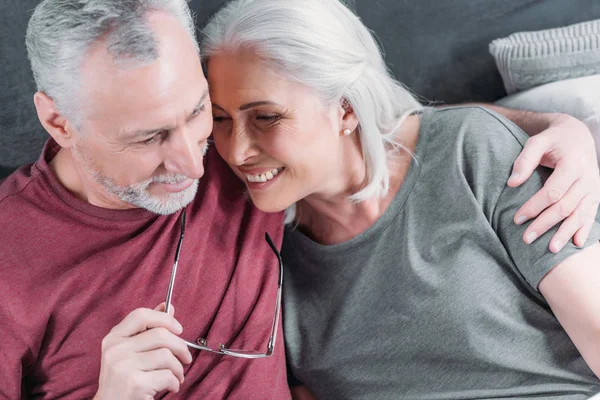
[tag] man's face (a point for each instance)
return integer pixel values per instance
(144, 128)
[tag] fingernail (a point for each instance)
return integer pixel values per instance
(178, 327)
(514, 176)
(557, 245)
(520, 219)
(530, 237)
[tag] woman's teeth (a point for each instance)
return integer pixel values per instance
(264, 177)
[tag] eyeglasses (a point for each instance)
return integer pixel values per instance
(202, 344)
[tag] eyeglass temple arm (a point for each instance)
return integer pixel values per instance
(271, 344)
(174, 270)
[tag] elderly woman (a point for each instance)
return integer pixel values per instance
(406, 274)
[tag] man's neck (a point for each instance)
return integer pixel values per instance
(73, 178)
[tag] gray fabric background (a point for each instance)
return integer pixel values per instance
(438, 48)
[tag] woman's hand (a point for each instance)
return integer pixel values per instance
(572, 193)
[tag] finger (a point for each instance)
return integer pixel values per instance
(157, 338)
(143, 319)
(160, 359)
(161, 380)
(583, 233)
(528, 160)
(565, 233)
(161, 307)
(571, 225)
(557, 213)
(557, 185)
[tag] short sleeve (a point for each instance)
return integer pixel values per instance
(535, 260)
(492, 143)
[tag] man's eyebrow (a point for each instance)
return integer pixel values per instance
(143, 134)
(198, 106)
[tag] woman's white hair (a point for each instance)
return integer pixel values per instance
(60, 33)
(323, 45)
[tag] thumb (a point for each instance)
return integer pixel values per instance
(161, 307)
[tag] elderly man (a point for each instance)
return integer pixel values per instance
(92, 228)
(90, 231)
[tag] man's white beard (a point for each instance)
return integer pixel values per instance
(139, 196)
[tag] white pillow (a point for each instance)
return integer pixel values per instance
(579, 97)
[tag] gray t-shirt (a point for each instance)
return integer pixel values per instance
(438, 299)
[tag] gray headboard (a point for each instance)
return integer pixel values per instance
(438, 48)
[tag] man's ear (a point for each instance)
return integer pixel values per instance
(53, 121)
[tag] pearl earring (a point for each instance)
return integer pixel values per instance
(347, 132)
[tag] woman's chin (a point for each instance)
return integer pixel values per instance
(267, 205)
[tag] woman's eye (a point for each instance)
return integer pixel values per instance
(268, 118)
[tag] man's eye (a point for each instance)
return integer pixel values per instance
(217, 118)
(154, 139)
(150, 141)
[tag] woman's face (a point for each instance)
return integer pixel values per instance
(276, 135)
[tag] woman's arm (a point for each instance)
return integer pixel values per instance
(572, 290)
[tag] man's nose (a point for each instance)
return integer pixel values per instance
(185, 154)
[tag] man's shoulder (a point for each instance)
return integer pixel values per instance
(218, 172)
(14, 189)
(223, 201)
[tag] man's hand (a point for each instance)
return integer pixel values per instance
(142, 356)
(571, 193)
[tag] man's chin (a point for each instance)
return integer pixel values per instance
(168, 202)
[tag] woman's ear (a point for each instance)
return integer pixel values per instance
(53, 121)
(349, 121)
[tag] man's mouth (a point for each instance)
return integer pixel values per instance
(174, 185)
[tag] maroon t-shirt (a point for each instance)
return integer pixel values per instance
(70, 271)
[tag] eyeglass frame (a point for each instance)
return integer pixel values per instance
(202, 344)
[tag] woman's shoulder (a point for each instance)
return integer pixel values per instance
(472, 133)
(472, 149)
(473, 120)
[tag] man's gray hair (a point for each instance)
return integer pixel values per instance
(324, 46)
(60, 33)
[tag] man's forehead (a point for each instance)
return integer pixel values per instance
(143, 98)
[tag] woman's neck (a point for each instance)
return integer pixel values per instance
(332, 218)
